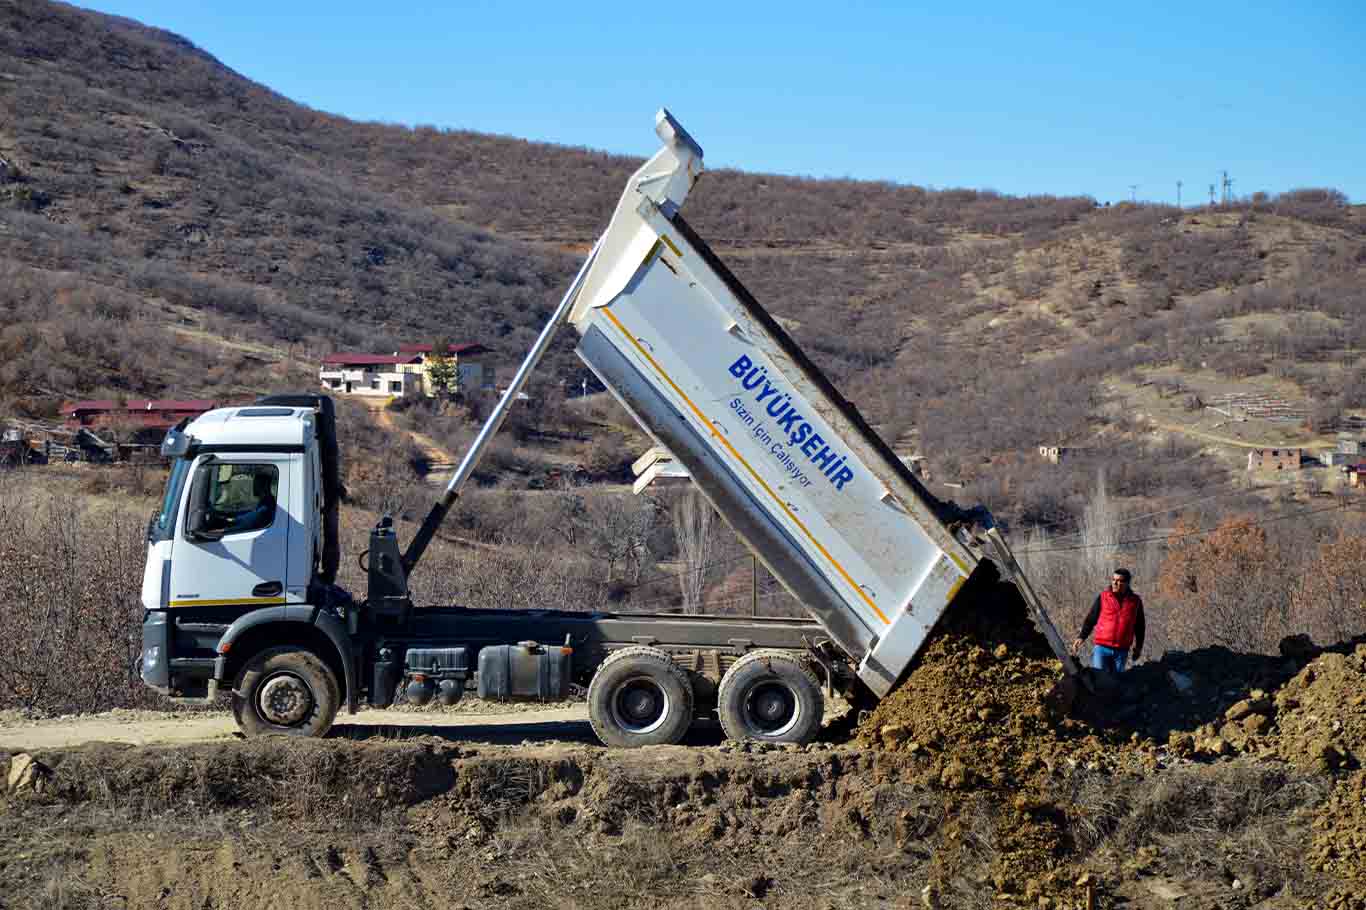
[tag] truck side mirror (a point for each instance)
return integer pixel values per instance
(196, 528)
(197, 513)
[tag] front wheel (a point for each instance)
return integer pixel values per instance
(640, 697)
(769, 696)
(286, 692)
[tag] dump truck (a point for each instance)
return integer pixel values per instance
(240, 583)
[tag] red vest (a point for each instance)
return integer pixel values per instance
(1118, 616)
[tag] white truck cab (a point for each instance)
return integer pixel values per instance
(247, 533)
(239, 530)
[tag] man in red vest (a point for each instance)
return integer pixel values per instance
(1117, 618)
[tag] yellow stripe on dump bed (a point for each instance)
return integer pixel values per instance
(740, 458)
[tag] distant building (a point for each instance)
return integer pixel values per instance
(1348, 452)
(1053, 454)
(387, 375)
(143, 414)
(404, 372)
(473, 371)
(1274, 459)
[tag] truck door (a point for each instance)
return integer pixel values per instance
(231, 547)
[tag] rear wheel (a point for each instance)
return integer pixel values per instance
(286, 692)
(770, 696)
(640, 697)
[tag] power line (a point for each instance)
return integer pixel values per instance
(677, 575)
(1198, 533)
(712, 603)
(1230, 492)
(1133, 518)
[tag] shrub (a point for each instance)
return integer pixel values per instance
(71, 586)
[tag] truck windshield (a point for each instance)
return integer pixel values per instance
(163, 522)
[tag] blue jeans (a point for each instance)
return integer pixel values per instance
(1111, 660)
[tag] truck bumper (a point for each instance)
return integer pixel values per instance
(156, 651)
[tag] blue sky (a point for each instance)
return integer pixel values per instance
(1065, 98)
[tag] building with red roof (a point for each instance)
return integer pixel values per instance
(403, 372)
(144, 414)
(387, 375)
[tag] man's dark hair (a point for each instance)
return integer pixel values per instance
(1124, 574)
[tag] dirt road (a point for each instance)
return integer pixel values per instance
(429, 447)
(475, 724)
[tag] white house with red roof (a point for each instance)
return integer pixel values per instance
(404, 371)
(382, 375)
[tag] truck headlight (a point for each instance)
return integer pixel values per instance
(151, 660)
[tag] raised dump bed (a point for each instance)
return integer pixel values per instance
(788, 462)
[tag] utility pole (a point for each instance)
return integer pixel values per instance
(753, 585)
(1211, 195)
(1178, 194)
(1133, 193)
(1227, 188)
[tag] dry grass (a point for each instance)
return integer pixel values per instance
(1213, 823)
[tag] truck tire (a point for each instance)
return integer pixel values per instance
(770, 696)
(286, 691)
(640, 697)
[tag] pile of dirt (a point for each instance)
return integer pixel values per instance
(330, 825)
(1320, 715)
(1307, 707)
(1339, 845)
(314, 824)
(974, 717)
(976, 705)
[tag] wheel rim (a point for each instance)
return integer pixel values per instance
(285, 700)
(771, 708)
(640, 705)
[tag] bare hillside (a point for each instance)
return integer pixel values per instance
(172, 228)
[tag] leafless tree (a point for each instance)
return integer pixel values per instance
(692, 521)
(614, 529)
(1100, 534)
(1329, 598)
